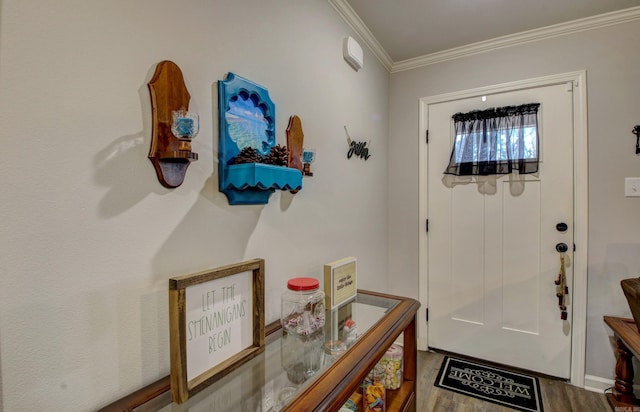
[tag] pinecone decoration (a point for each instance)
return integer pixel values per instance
(278, 156)
(248, 155)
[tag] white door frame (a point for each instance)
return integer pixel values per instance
(581, 198)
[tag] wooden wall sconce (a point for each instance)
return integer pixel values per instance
(171, 154)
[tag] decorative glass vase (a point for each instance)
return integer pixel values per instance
(185, 126)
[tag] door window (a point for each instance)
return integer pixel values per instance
(495, 141)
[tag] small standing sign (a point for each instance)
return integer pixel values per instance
(216, 323)
(340, 283)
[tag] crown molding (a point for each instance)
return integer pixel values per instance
(349, 15)
(575, 26)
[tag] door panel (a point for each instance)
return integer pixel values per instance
(521, 266)
(466, 230)
(491, 256)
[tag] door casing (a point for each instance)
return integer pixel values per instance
(579, 298)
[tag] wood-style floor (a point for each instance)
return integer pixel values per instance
(557, 396)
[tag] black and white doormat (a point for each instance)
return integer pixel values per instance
(514, 390)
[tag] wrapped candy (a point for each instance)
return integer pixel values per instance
(373, 392)
(353, 402)
(374, 398)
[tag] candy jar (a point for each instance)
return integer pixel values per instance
(302, 307)
(391, 365)
(350, 332)
(373, 391)
(303, 318)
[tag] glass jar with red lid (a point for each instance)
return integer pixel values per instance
(302, 307)
(302, 318)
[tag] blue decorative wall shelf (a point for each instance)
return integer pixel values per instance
(246, 118)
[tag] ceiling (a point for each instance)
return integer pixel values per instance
(408, 29)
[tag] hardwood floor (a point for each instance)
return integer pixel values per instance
(557, 396)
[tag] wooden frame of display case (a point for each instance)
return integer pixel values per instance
(330, 390)
(336, 385)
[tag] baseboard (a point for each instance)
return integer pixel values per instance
(597, 384)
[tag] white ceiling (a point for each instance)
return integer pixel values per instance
(407, 29)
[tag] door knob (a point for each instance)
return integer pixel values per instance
(562, 247)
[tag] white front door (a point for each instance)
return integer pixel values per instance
(492, 258)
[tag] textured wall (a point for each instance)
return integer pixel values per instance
(89, 236)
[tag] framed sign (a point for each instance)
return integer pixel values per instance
(216, 323)
(340, 282)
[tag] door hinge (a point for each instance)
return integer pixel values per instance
(427, 226)
(427, 313)
(427, 135)
(569, 86)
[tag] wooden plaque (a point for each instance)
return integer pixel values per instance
(216, 323)
(340, 283)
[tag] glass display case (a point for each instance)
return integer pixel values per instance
(356, 336)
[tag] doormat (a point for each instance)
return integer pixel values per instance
(514, 390)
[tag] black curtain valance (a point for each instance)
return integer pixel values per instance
(495, 141)
(496, 112)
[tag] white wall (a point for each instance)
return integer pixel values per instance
(610, 57)
(90, 237)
